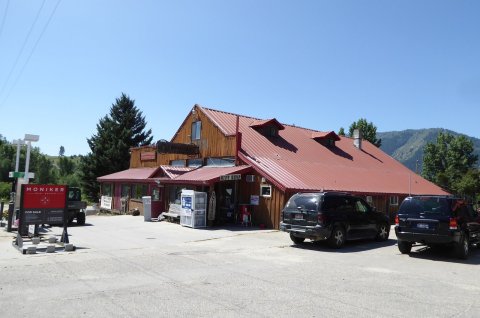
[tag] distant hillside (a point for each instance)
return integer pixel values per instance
(407, 146)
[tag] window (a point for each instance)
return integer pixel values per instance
(196, 128)
(221, 162)
(156, 194)
(107, 189)
(361, 207)
(125, 190)
(177, 163)
(139, 190)
(394, 200)
(194, 162)
(266, 191)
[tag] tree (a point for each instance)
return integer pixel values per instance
(117, 132)
(61, 152)
(341, 131)
(368, 129)
(450, 163)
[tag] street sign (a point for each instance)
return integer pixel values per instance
(20, 174)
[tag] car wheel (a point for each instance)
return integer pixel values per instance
(81, 219)
(404, 247)
(383, 232)
(296, 239)
(462, 248)
(337, 239)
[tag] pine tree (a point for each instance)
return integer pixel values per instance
(117, 132)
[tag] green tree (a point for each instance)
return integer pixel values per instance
(61, 152)
(450, 163)
(368, 129)
(341, 131)
(117, 132)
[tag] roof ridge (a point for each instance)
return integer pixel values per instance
(229, 113)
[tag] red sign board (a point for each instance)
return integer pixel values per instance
(150, 155)
(39, 196)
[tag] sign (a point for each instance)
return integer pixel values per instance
(148, 155)
(20, 174)
(231, 177)
(106, 202)
(187, 203)
(43, 203)
(254, 199)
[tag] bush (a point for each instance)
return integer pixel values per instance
(5, 189)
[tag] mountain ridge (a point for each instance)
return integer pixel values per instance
(407, 145)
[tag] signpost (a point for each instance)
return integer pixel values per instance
(43, 204)
(231, 177)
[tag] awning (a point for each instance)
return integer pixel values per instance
(134, 174)
(208, 175)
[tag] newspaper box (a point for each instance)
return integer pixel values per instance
(194, 207)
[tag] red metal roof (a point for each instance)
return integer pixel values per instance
(134, 174)
(273, 121)
(322, 135)
(172, 172)
(207, 175)
(295, 161)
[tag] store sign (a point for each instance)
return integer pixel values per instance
(231, 177)
(106, 202)
(43, 203)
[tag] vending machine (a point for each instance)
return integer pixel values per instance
(194, 209)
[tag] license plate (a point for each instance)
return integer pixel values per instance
(298, 216)
(422, 225)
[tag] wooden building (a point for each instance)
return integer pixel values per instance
(256, 165)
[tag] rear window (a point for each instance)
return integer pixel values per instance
(428, 205)
(308, 202)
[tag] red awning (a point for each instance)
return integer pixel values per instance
(134, 174)
(207, 175)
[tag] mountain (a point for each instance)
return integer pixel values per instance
(407, 146)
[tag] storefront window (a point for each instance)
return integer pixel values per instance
(125, 190)
(139, 190)
(107, 189)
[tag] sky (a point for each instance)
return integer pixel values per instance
(316, 64)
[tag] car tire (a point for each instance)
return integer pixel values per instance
(296, 239)
(404, 247)
(337, 238)
(462, 248)
(81, 219)
(383, 232)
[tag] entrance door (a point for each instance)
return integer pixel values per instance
(225, 192)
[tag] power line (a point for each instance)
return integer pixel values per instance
(31, 53)
(23, 47)
(4, 18)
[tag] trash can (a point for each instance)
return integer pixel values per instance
(147, 208)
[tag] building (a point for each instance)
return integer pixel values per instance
(257, 165)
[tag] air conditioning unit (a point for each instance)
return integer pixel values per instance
(250, 178)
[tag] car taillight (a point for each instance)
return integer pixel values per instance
(321, 219)
(453, 225)
(397, 220)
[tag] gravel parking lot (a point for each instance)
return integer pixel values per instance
(124, 267)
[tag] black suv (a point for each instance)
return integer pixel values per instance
(437, 220)
(332, 216)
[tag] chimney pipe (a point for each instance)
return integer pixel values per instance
(357, 138)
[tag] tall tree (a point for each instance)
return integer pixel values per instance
(61, 152)
(368, 129)
(450, 163)
(117, 132)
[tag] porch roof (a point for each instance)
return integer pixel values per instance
(207, 175)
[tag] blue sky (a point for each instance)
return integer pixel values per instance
(316, 64)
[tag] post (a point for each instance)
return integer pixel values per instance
(27, 162)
